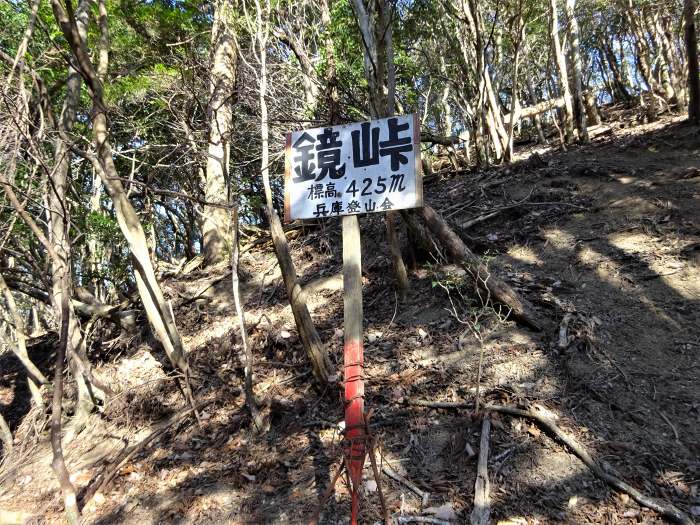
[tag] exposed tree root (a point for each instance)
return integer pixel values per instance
(667, 510)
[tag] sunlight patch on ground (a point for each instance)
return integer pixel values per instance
(515, 372)
(606, 269)
(630, 242)
(559, 239)
(525, 254)
(215, 329)
(672, 271)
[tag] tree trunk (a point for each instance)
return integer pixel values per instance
(515, 104)
(579, 106)
(60, 230)
(675, 46)
(390, 216)
(157, 310)
(315, 350)
(563, 76)
(619, 84)
(58, 463)
(669, 75)
(308, 72)
(485, 281)
(537, 121)
(318, 355)
(641, 46)
(375, 21)
(259, 422)
(592, 114)
(95, 252)
(215, 227)
(691, 44)
(332, 96)
(35, 378)
(446, 122)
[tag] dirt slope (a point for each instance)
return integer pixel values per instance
(607, 233)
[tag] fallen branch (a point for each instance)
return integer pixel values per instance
(563, 336)
(481, 514)
(675, 432)
(400, 520)
(667, 510)
(477, 220)
(424, 496)
(110, 471)
(437, 139)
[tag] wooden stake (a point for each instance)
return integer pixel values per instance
(355, 435)
(481, 514)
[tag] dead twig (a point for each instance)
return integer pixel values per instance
(667, 510)
(563, 327)
(675, 432)
(476, 220)
(424, 496)
(400, 520)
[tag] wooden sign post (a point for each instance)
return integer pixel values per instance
(347, 170)
(353, 356)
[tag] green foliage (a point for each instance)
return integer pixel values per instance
(103, 228)
(136, 88)
(14, 20)
(347, 46)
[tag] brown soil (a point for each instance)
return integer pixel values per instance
(608, 233)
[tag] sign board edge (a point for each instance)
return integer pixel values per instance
(287, 178)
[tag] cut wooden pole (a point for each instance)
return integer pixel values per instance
(355, 436)
(481, 514)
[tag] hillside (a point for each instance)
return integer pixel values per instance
(602, 239)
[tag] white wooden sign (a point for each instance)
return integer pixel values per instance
(362, 167)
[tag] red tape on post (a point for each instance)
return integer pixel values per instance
(355, 434)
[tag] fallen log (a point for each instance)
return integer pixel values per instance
(87, 305)
(531, 111)
(484, 279)
(441, 140)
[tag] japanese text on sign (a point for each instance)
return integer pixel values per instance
(354, 168)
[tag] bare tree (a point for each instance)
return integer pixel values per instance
(216, 219)
(375, 22)
(575, 54)
(562, 74)
(59, 224)
(691, 44)
(315, 350)
(157, 310)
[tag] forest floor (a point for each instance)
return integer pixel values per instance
(608, 233)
